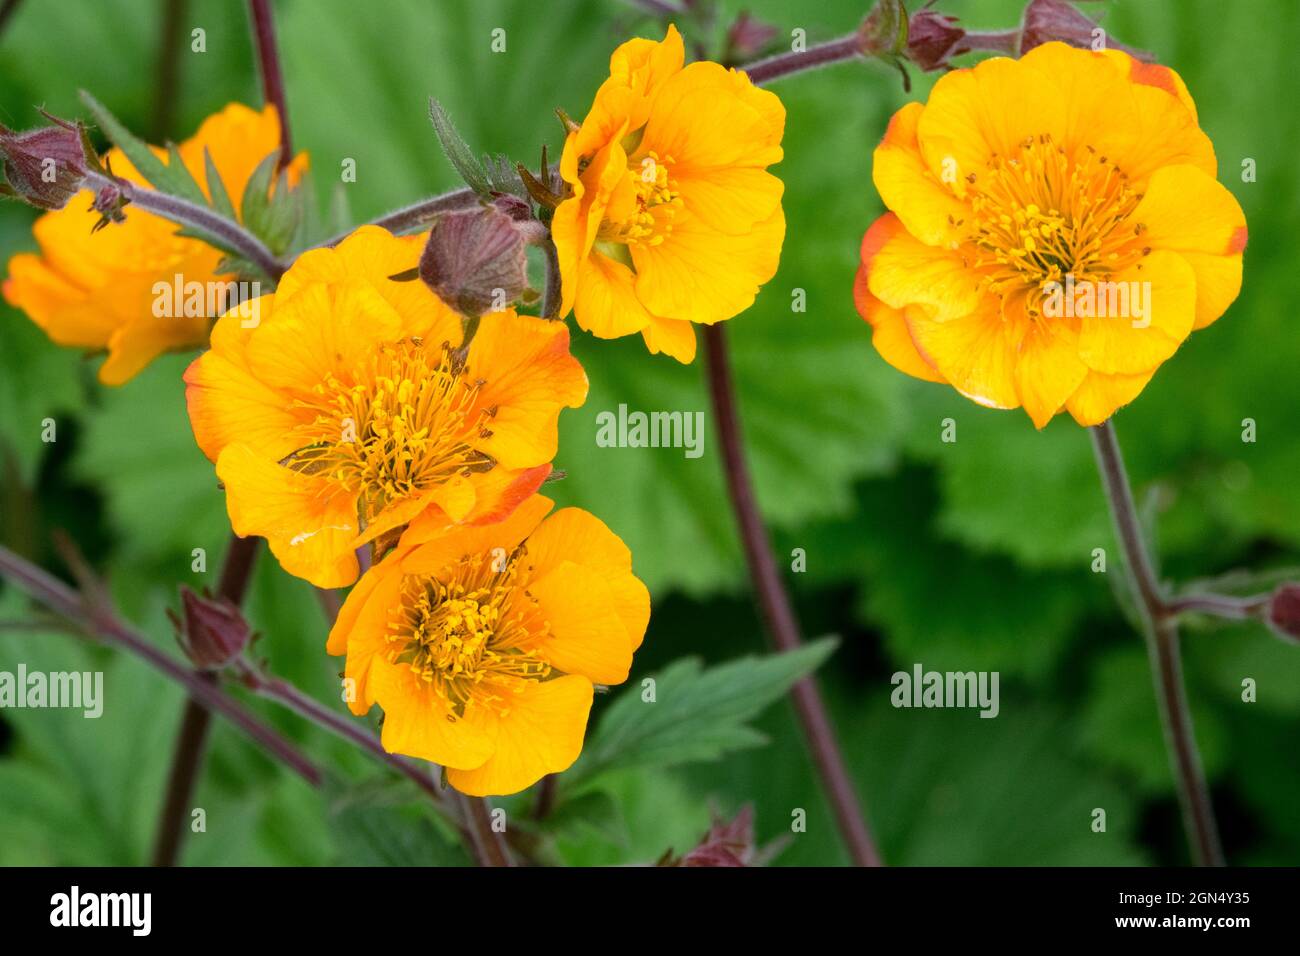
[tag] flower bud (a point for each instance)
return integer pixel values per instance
(884, 32)
(726, 843)
(933, 39)
(45, 167)
(1283, 612)
(212, 632)
(475, 259)
(1047, 20)
(748, 37)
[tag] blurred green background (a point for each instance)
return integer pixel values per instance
(973, 555)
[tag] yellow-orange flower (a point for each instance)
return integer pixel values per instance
(346, 405)
(482, 645)
(95, 290)
(673, 218)
(1055, 232)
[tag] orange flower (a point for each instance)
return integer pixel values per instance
(346, 406)
(96, 290)
(673, 218)
(1056, 231)
(482, 645)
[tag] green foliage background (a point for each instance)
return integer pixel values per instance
(973, 555)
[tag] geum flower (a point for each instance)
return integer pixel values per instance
(351, 406)
(94, 289)
(673, 218)
(482, 645)
(1021, 182)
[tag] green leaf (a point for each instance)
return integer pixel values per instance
(457, 151)
(696, 713)
(376, 825)
(273, 215)
(220, 197)
(168, 177)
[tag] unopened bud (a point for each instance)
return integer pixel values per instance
(726, 844)
(475, 260)
(1283, 613)
(211, 631)
(748, 37)
(933, 39)
(1047, 20)
(884, 32)
(45, 167)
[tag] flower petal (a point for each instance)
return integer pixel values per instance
(1189, 212)
(1129, 345)
(529, 377)
(308, 523)
(541, 734)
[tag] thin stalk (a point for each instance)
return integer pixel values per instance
(170, 44)
(1226, 606)
(186, 213)
(490, 847)
(268, 58)
(187, 759)
(777, 610)
(411, 218)
(1160, 629)
(98, 622)
(551, 295)
(782, 65)
(286, 694)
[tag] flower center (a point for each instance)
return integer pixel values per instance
(405, 421)
(467, 636)
(644, 205)
(1041, 215)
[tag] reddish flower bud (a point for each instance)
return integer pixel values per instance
(933, 39)
(726, 844)
(212, 632)
(748, 37)
(1283, 614)
(475, 260)
(1047, 20)
(45, 167)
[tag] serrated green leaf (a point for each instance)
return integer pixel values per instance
(696, 713)
(457, 151)
(220, 197)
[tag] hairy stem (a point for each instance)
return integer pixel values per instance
(187, 759)
(186, 213)
(413, 217)
(1160, 629)
(99, 622)
(782, 65)
(777, 610)
(268, 58)
(490, 847)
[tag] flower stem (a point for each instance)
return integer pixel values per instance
(1160, 629)
(186, 213)
(187, 759)
(268, 57)
(286, 694)
(490, 848)
(551, 295)
(776, 608)
(782, 65)
(99, 622)
(412, 217)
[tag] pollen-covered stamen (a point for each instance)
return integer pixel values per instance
(468, 635)
(656, 202)
(1042, 214)
(405, 421)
